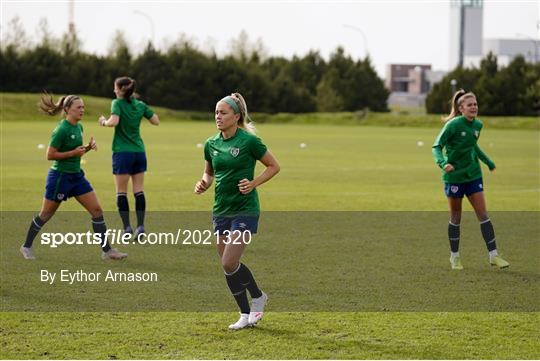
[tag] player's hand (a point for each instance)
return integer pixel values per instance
(92, 145)
(245, 186)
(448, 168)
(79, 151)
(101, 120)
(200, 187)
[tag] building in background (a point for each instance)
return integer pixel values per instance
(466, 30)
(409, 83)
(507, 49)
(468, 46)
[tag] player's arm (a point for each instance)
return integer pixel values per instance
(54, 154)
(484, 158)
(272, 168)
(111, 122)
(440, 143)
(154, 119)
(206, 180)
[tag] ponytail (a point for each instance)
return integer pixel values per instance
(245, 121)
(49, 107)
(127, 86)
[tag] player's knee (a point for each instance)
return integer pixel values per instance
(455, 217)
(96, 211)
(482, 217)
(229, 266)
(45, 216)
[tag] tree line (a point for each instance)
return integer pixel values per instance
(510, 90)
(184, 77)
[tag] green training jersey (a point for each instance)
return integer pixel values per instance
(234, 159)
(66, 137)
(127, 134)
(458, 139)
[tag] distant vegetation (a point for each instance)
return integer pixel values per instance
(184, 77)
(510, 90)
(181, 76)
(23, 107)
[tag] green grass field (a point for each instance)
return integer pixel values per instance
(362, 275)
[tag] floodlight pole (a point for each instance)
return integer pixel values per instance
(357, 29)
(147, 17)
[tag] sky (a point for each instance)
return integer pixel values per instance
(389, 31)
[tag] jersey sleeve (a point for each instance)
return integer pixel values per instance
(207, 152)
(115, 107)
(57, 138)
(148, 113)
(442, 139)
(484, 158)
(257, 148)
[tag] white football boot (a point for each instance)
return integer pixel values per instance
(241, 323)
(257, 308)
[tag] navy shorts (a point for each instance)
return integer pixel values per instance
(457, 190)
(235, 223)
(129, 162)
(61, 186)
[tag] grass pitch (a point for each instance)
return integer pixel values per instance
(360, 169)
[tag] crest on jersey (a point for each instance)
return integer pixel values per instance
(234, 151)
(454, 189)
(72, 136)
(60, 196)
(476, 133)
(463, 134)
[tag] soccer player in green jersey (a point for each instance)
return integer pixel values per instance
(462, 174)
(66, 178)
(129, 155)
(230, 158)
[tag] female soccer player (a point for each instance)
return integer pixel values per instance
(230, 157)
(129, 156)
(462, 174)
(66, 178)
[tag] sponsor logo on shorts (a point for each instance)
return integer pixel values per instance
(234, 151)
(60, 196)
(454, 189)
(480, 186)
(242, 225)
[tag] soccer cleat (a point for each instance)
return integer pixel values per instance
(113, 254)
(139, 231)
(257, 308)
(498, 261)
(27, 252)
(128, 230)
(242, 322)
(455, 262)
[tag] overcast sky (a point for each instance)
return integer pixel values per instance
(391, 31)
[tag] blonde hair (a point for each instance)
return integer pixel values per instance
(457, 100)
(49, 107)
(245, 121)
